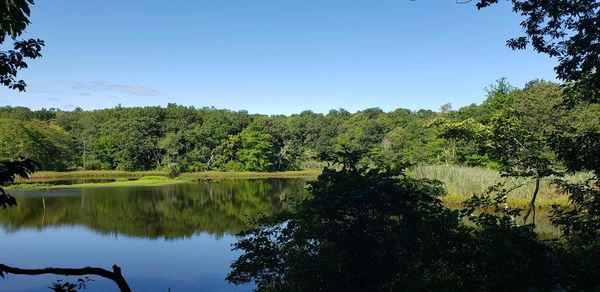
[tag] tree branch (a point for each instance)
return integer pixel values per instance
(114, 276)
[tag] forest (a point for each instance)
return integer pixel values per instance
(203, 139)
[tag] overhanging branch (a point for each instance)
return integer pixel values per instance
(114, 276)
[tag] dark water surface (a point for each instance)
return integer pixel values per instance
(174, 236)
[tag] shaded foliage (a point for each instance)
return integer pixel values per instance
(8, 172)
(359, 230)
(567, 30)
(368, 230)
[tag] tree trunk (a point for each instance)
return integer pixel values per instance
(115, 275)
(531, 206)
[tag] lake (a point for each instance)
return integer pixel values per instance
(174, 237)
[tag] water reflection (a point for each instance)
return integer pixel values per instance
(171, 211)
(176, 236)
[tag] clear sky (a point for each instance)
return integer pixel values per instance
(271, 56)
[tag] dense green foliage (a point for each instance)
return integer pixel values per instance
(37, 140)
(189, 139)
(211, 139)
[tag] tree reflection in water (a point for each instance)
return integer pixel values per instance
(217, 207)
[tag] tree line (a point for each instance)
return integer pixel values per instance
(202, 139)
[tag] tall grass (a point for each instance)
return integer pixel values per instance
(42, 176)
(248, 174)
(47, 176)
(466, 181)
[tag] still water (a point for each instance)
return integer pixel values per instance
(174, 237)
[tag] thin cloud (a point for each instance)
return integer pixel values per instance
(40, 89)
(53, 99)
(100, 86)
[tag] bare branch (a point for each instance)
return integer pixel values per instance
(114, 276)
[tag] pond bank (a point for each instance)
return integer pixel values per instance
(46, 176)
(91, 178)
(121, 182)
(458, 192)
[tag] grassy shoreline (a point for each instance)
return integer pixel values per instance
(249, 175)
(47, 176)
(146, 181)
(41, 180)
(461, 182)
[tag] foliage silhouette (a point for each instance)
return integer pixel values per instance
(567, 30)
(115, 275)
(369, 230)
(8, 172)
(14, 18)
(65, 286)
(359, 230)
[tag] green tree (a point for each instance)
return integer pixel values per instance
(206, 138)
(250, 150)
(43, 142)
(286, 150)
(519, 150)
(362, 134)
(255, 150)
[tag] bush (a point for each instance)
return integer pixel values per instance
(173, 170)
(359, 231)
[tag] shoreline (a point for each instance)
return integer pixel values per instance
(42, 181)
(48, 176)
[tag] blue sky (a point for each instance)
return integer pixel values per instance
(271, 56)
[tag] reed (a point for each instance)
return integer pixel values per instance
(463, 182)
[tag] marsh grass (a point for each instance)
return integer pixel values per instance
(143, 181)
(462, 182)
(248, 175)
(45, 176)
(48, 176)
